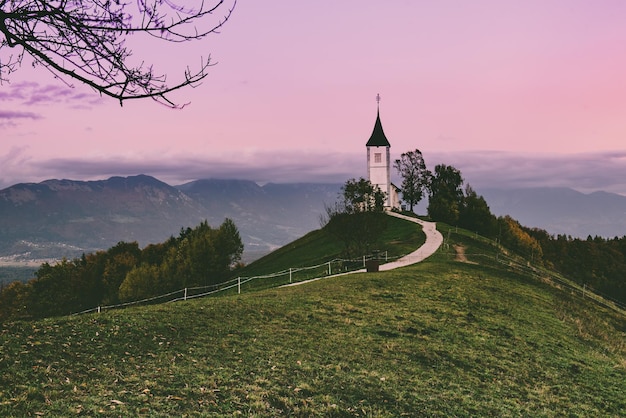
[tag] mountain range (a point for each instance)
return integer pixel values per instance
(65, 218)
(561, 210)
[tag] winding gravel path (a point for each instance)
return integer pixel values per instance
(434, 239)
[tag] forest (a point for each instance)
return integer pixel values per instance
(199, 256)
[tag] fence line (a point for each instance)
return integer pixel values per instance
(544, 274)
(237, 282)
(500, 258)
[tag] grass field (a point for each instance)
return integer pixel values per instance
(441, 338)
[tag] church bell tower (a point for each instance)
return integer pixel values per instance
(378, 159)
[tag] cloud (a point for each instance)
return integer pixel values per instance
(8, 117)
(15, 166)
(281, 167)
(33, 96)
(488, 169)
(583, 172)
(29, 93)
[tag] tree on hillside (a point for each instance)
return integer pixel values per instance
(476, 216)
(87, 41)
(515, 237)
(449, 203)
(445, 198)
(362, 196)
(141, 282)
(200, 256)
(595, 262)
(357, 219)
(13, 300)
(228, 240)
(62, 289)
(415, 176)
(120, 260)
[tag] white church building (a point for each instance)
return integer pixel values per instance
(379, 163)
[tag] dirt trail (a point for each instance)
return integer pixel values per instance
(460, 253)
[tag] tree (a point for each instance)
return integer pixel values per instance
(86, 41)
(120, 260)
(515, 237)
(415, 176)
(445, 198)
(228, 240)
(141, 282)
(199, 256)
(362, 196)
(61, 289)
(357, 219)
(475, 214)
(13, 300)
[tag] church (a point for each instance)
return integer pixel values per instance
(379, 163)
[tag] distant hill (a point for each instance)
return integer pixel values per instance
(267, 216)
(65, 217)
(58, 218)
(561, 210)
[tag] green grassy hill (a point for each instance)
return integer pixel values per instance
(319, 247)
(440, 338)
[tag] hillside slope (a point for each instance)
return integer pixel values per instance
(440, 338)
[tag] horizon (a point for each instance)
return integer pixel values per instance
(264, 183)
(513, 95)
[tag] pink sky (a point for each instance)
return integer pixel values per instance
(512, 93)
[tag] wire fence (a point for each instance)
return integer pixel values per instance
(553, 278)
(341, 266)
(573, 287)
(287, 276)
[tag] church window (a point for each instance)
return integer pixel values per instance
(377, 157)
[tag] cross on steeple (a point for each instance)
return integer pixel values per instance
(377, 99)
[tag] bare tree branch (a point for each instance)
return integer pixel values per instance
(85, 41)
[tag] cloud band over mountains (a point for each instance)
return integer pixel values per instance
(582, 172)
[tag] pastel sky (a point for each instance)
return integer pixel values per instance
(512, 93)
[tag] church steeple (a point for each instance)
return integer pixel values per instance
(378, 138)
(379, 160)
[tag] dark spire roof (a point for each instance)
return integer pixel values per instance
(378, 138)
